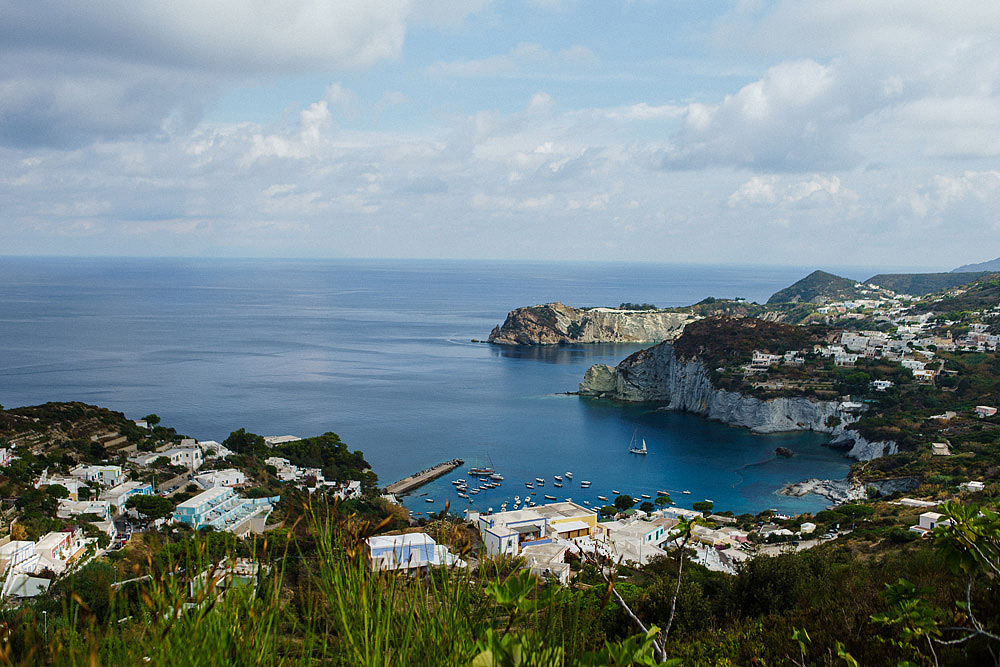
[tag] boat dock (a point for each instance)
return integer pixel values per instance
(418, 479)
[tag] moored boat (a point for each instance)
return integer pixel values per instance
(604, 498)
(550, 497)
(568, 475)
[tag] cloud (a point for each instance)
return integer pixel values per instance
(110, 69)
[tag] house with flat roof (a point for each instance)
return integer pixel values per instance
(928, 522)
(105, 475)
(408, 552)
(120, 494)
(222, 509)
(214, 478)
(94, 510)
(509, 532)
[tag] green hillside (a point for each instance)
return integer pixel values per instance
(817, 287)
(919, 284)
(979, 295)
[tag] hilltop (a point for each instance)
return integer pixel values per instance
(990, 266)
(979, 295)
(818, 287)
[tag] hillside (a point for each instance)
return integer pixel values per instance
(920, 284)
(981, 295)
(817, 287)
(991, 266)
(721, 341)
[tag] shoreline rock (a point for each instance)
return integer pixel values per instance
(558, 324)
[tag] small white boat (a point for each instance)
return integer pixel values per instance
(584, 484)
(550, 497)
(604, 498)
(462, 495)
(645, 495)
(568, 475)
(586, 502)
(473, 492)
(558, 478)
(497, 476)
(489, 510)
(661, 492)
(569, 500)
(686, 492)
(529, 485)
(456, 482)
(430, 500)
(559, 484)
(615, 491)
(709, 500)
(517, 500)
(540, 480)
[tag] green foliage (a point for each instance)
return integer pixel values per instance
(817, 285)
(248, 444)
(332, 456)
(662, 500)
(151, 507)
(57, 491)
(627, 305)
(624, 502)
(702, 506)
(647, 507)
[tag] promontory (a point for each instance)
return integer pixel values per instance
(559, 324)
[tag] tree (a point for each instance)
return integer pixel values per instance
(151, 507)
(624, 502)
(646, 507)
(248, 444)
(151, 420)
(703, 506)
(57, 491)
(609, 510)
(662, 500)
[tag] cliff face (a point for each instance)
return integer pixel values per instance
(555, 323)
(657, 375)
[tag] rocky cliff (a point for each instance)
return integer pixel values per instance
(556, 323)
(657, 375)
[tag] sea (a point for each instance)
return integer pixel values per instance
(381, 352)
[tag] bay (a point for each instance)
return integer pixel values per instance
(380, 352)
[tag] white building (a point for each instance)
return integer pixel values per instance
(105, 475)
(100, 510)
(17, 556)
(275, 440)
(929, 521)
(213, 478)
(973, 486)
(409, 552)
(509, 532)
(120, 494)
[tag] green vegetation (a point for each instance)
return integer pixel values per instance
(920, 284)
(818, 286)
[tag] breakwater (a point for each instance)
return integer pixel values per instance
(418, 479)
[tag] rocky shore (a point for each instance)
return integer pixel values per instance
(656, 375)
(559, 324)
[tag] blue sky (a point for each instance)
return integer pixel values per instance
(821, 132)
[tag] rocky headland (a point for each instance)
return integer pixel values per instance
(660, 375)
(559, 324)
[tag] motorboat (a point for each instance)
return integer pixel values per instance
(645, 495)
(558, 478)
(568, 475)
(529, 485)
(686, 492)
(604, 498)
(584, 484)
(615, 491)
(430, 500)
(559, 484)
(540, 480)
(550, 497)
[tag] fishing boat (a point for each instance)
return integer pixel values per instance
(568, 475)
(604, 498)
(550, 497)
(633, 447)
(584, 484)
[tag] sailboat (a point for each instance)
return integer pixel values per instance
(634, 447)
(486, 471)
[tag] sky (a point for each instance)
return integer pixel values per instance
(789, 133)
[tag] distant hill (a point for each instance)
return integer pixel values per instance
(817, 287)
(991, 266)
(919, 284)
(979, 295)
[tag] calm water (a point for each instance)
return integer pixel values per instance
(380, 352)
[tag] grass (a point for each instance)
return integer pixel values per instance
(318, 603)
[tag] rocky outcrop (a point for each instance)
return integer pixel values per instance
(840, 491)
(556, 323)
(657, 375)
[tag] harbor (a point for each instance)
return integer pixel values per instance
(416, 480)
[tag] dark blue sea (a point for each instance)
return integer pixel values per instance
(380, 352)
